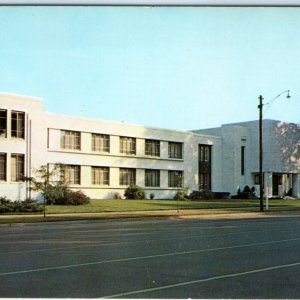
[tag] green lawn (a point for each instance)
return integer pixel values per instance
(148, 205)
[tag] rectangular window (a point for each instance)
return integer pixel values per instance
(71, 174)
(70, 139)
(3, 122)
(100, 142)
(175, 150)
(152, 178)
(204, 153)
(100, 175)
(2, 167)
(175, 178)
(17, 167)
(18, 124)
(127, 176)
(127, 145)
(204, 167)
(243, 160)
(152, 147)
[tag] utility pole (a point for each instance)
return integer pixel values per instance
(261, 180)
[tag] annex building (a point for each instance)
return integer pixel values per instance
(102, 158)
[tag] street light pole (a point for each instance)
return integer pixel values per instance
(261, 175)
(261, 181)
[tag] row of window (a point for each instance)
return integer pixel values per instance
(127, 176)
(99, 175)
(101, 143)
(17, 124)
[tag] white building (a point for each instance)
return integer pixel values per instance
(102, 158)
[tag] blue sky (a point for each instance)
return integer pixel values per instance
(172, 67)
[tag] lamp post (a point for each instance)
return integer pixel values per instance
(261, 179)
(261, 182)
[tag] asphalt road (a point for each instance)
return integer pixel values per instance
(153, 258)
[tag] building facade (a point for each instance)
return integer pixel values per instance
(102, 158)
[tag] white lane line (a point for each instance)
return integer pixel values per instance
(145, 257)
(202, 280)
(105, 243)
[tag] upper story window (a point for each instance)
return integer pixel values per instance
(175, 150)
(17, 167)
(3, 122)
(127, 145)
(204, 153)
(100, 142)
(152, 147)
(70, 139)
(2, 166)
(18, 124)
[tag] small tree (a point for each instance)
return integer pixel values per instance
(49, 182)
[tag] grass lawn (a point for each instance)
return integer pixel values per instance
(147, 205)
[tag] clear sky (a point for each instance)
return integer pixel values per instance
(171, 67)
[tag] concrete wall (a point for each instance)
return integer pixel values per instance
(42, 146)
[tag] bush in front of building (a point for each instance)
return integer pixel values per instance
(181, 195)
(201, 195)
(135, 192)
(73, 198)
(25, 206)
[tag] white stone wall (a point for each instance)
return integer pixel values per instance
(42, 146)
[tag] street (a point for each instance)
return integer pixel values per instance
(152, 258)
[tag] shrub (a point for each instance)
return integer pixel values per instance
(73, 198)
(151, 196)
(28, 205)
(181, 195)
(135, 192)
(117, 196)
(201, 195)
(54, 194)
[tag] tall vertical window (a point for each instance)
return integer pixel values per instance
(100, 142)
(243, 160)
(2, 166)
(175, 178)
(18, 124)
(71, 174)
(204, 167)
(17, 167)
(127, 176)
(70, 139)
(152, 147)
(175, 150)
(3, 122)
(127, 145)
(152, 178)
(100, 175)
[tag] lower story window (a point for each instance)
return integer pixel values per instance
(100, 175)
(2, 166)
(71, 174)
(175, 178)
(17, 167)
(127, 176)
(152, 178)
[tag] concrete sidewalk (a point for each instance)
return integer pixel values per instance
(203, 214)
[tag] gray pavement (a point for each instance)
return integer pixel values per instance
(153, 258)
